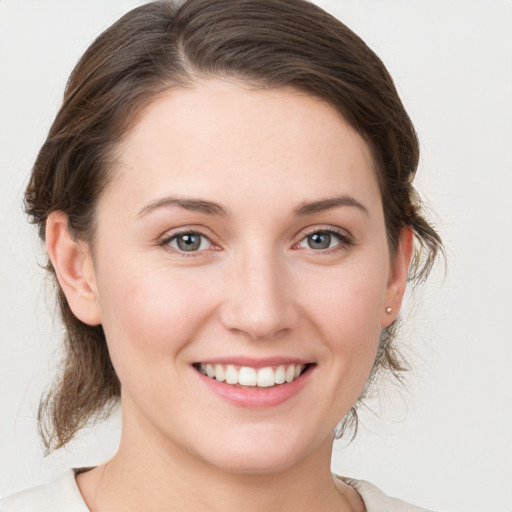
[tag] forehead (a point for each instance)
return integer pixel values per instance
(221, 136)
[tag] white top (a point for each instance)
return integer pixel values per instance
(63, 495)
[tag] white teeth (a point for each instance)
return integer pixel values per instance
(231, 374)
(280, 376)
(265, 378)
(246, 376)
(220, 373)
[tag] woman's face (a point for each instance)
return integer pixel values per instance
(243, 238)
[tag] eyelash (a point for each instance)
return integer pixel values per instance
(344, 241)
(166, 242)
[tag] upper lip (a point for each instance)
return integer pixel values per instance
(252, 362)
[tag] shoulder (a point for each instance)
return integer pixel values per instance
(62, 495)
(376, 501)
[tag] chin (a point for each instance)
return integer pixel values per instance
(259, 452)
(254, 463)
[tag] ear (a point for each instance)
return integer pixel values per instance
(398, 276)
(73, 265)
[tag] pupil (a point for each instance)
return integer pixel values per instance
(189, 242)
(319, 241)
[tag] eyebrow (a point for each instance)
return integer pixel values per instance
(329, 204)
(211, 208)
(193, 205)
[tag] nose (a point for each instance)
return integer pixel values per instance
(259, 298)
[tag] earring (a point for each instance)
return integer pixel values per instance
(389, 311)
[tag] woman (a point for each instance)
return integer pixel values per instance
(227, 204)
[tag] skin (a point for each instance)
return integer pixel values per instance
(255, 288)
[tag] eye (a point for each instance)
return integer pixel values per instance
(189, 242)
(322, 240)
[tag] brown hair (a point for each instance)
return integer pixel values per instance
(266, 43)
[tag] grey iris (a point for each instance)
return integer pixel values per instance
(189, 242)
(319, 240)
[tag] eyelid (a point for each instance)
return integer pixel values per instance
(165, 239)
(345, 237)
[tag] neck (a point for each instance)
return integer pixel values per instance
(156, 476)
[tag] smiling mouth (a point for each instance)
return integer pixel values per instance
(246, 376)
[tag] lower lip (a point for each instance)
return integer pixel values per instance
(254, 397)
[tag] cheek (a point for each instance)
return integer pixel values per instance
(346, 310)
(347, 303)
(151, 316)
